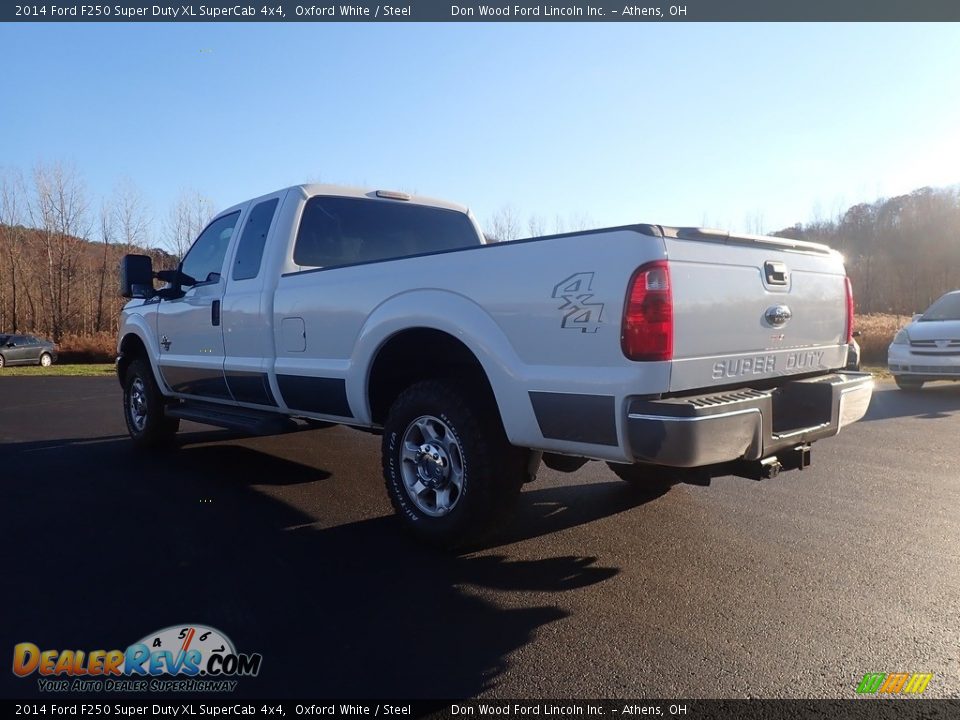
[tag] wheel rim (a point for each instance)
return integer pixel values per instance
(137, 404)
(431, 463)
(45, 360)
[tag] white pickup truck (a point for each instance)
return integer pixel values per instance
(642, 345)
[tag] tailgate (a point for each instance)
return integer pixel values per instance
(752, 308)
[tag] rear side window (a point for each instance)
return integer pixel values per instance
(253, 239)
(345, 231)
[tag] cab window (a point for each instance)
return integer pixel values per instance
(204, 262)
(345, 231)
(253, 239)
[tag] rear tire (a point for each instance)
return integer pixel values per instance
(143, 408)
(3, 361)
(448, 467)
(45, 360)
(905, 383)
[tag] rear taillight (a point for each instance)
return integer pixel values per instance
(647, 332)
(849, 311)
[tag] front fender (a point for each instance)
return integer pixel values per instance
(137, 325)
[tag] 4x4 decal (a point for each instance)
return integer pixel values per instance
(578, 312)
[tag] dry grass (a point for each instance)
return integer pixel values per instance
(94, 348)
(86, 370)
(877, 331)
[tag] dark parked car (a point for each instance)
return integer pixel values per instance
(26, 350)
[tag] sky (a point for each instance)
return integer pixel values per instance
(742, 126)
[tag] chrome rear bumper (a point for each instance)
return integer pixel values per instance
(747, 424)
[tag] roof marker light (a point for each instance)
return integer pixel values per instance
(393, 195)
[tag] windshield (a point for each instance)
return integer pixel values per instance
(946, 308)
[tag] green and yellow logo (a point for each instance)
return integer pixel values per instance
(894, 683)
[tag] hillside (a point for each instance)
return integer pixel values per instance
(902, 253)
(57, 284)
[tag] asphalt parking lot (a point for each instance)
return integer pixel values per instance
(791, 587)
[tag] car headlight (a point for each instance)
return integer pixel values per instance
(901, 338)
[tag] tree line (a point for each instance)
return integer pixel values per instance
(901, 252)
(59, 251)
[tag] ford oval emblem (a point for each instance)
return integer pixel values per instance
(778, 315)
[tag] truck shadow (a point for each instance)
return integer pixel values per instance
(102, 548)
(934, 402)
(544, 511)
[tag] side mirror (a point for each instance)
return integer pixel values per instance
(174, 280)
(136, 276)
(184, 279)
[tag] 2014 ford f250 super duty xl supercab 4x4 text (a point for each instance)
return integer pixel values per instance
(644, 346)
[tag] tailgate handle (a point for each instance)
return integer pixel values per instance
(775, 272)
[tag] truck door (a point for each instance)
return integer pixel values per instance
(247, 329)
(189, 328)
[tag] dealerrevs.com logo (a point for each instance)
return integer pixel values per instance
(185, 658)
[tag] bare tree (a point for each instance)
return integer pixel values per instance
(59, 212)
(505, 225)
(189, 214)
(107, 234)
(12, 236)
(753, 223)
(580, 221)
(536, 226)
(131, 215)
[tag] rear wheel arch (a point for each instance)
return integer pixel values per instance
(419, 354)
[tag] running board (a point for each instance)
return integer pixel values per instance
(250, 422)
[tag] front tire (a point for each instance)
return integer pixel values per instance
(143, 408)
(905, 383)
(448, 467)
(3, 361)
(46, 360)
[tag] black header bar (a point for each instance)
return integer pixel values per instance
(103, 705)
(471, 11)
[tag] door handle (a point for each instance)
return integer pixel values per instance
(215, 312)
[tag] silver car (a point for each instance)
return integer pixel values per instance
(929, 347)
